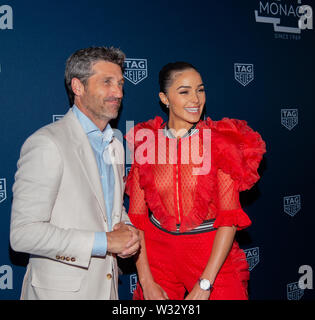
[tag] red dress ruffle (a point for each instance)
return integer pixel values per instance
(238, 150)
(228, 218)
(235, 149)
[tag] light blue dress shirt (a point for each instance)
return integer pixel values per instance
(99, 142)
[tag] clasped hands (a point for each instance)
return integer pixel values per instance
(124, 240)
(153, 291)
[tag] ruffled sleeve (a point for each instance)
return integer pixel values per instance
(228, 218)
(238, 151)
(138, 211)
(138, 208)
(230, 212)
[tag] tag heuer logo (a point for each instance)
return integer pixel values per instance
(3, 190)
(292, 205)
(294, 292)
(244, 73)
(133, 282)
(57, 117)
(252, 257)
(289, 118)
(136, 70)
(128, 168)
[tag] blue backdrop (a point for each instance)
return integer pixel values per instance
(257, 64)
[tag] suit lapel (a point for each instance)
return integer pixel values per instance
(117, 191)
(90, 169)
(87, 159)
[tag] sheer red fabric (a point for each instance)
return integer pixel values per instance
(190, 180)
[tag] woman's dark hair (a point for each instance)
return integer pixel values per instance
(167, 73)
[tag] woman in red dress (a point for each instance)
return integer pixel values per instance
(184, 189)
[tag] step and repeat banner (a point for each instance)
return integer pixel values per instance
(256, 58)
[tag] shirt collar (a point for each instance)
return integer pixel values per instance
(168, 133)
(90, 127)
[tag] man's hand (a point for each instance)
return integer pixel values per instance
(124, 240)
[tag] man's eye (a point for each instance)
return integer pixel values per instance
(183, 92)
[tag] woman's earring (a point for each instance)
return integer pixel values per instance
(167, 106)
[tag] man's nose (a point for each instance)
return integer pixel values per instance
(117, 91)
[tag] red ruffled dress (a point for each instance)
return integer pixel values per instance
(178, 188)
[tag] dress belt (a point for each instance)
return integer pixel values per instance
(205, 226)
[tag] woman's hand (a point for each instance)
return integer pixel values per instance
(197, 293)
(153, 291)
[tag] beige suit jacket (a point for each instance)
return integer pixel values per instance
(58, 205)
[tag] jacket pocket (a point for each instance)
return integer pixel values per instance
(55, 282)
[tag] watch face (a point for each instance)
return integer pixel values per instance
(205, 284)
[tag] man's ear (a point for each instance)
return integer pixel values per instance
(77, 87)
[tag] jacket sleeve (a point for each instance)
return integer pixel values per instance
(37, 181)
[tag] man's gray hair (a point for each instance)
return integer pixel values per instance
(79, 65)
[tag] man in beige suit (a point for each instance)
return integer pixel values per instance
(67, 207)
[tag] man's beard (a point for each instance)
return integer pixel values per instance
(105, 112)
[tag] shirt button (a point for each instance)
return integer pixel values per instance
(109, 276)
(73, 259)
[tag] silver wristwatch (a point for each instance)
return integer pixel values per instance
(205, 284)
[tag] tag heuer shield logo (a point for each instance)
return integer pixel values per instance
(252, 257)
(133, 282)
(289, 118)
(136, 70)
(244, 73)
(3, 190)
(294, 292)
(292, 205)
(57, 117)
